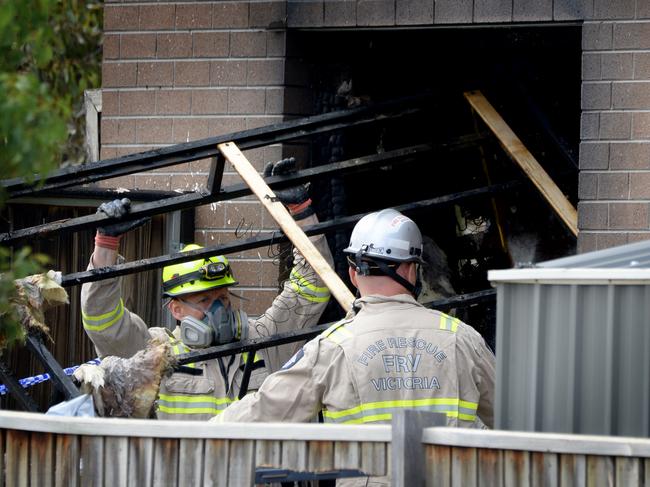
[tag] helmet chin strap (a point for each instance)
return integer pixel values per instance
(413, 289)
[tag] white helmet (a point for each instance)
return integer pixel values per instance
(386, 235)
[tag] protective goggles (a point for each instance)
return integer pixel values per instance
(212, 271)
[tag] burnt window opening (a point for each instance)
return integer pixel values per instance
(530, 75)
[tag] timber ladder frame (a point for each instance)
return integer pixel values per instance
(61, 183)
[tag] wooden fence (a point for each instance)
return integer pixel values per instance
(43, 450)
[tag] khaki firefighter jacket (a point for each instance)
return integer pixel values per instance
(114, 330)
(393, 354)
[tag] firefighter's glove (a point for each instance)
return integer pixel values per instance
(109, 236)
(295, 198)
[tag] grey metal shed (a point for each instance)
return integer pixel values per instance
(573, 344)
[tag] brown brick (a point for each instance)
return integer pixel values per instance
(211, 44)
(492, 10)
(174, 45)
(589, 125)
(247, 272)
(120, 17)
(158, 182)
(591, 66)
(596, 96)
(108, 153)
(211, 216)
(188, 182)
(173, 102)
(414, 12)
(375, 12)
(268, 14)
(453, 11)
(188, 129)
(192, 73)
(193, 16)
(156, 74)
(617, 65)
(608, 240)
(157, 17)
(230, 15)
(596, 36)
(244, 215)
(214, 101)
(269, 273)
(340, 13)
(276, 43)
(243, 101)
(176, 168)
(258, 301)
(120, 131)
(222, 237)
(228, 73)
(608, 10)
(305, 14)
(587, 186)
(592, 216)
(613, 186)
(257, 122)
(594, 155)
(628, 216)
(642, 65)
(226, 125)
(265, 72)
(111, 46)
(637, 237)
(642, 10)
(274, 101)
(118, 74)
(110, 103)
(571, 10)
(615, 125)
(634, 95)
(127, 182)
(640, 186)
(532, 10)
(587, 242)
(248, 44)
(629, 156)
(141, 102)
(632, 35)
(201, 166)
(153, 131)
(641, 125)
(138, 46)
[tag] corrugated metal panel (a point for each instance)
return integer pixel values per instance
(573, 358)
(630, 255)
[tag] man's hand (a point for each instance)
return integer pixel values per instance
(296, 198)
(117, 209)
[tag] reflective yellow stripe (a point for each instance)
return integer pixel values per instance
(307, 290)
(256, 359)
(178, 347)
(116, 314)
(168, 410)
(449, 323)
(210, 399)
(401, 403)
(370, 419)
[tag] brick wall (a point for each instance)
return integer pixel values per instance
(179, 71)
(614, 188)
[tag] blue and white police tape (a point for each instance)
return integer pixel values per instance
(37, 379)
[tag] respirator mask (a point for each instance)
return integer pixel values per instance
(219, 325)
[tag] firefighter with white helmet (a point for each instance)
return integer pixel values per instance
(199, 297)
(391, 353)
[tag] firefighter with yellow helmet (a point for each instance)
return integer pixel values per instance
(390, 354)
(198, 294)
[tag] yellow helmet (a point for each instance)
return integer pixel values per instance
(197, 275)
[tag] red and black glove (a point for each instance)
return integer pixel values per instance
(296, 198)
(108, 236)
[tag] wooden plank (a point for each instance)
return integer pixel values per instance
(464, 468)
(268, 453)
(241, 468)
(373, 458)
(66, 471)
(41, 459)
(140, 462)
(190, 466)
(628, 472)
(600, 471)
(518, 152)
(438, 466)
(320, 456)
(288, 225)
(490, 468)
(215, 473)
(516, 468)
(347, 455)
(544, 469)
(165, 460)
(573, 470)
(116, 458)
(294, 455)
(17, 459)
(92, 461)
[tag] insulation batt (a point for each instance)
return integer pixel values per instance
(127, 387)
